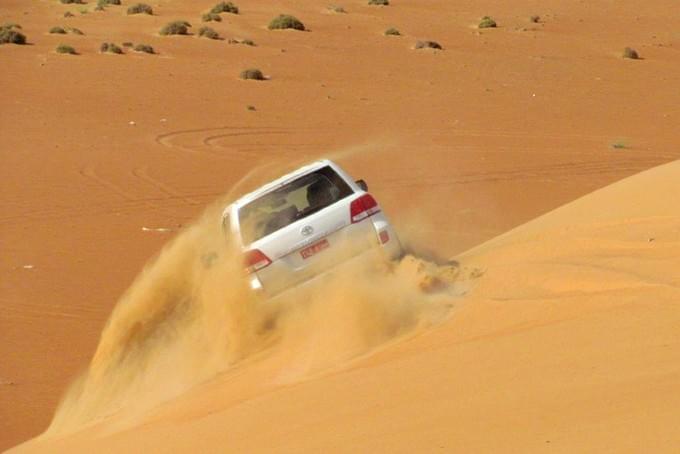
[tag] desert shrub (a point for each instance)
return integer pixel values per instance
(211, 17)
(110, 48)
(392, 32)
(140, 8)
(535, 19)
(12, 37)
(104, 3)
(379, 2)
(207, 32)
(144, 48)
(65, 30)
(77, 2)
(247, 42)
(178, 27)
(630, 53)
(487, 22)
(11, 25)
(65, 49)
(128, 44)
(285, 21)
(99, 8)
(251, 108)
(337, 9)
(427, 45)
(224, 7)
(8, 35)
(68, 14)
(252, 74)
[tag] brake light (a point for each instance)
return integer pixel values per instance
(363, 207)
(255, 260)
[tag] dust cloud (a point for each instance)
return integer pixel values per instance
(190, 316)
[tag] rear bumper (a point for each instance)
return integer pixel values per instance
(386, 245)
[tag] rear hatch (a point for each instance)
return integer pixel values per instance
(303, 228)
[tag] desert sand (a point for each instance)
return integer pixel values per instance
(565, 333)
(568, 340)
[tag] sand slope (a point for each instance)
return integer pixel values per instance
(569, 341)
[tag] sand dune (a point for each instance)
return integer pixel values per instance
(106, 158)
(568, 340)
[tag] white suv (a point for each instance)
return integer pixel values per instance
(305, 223)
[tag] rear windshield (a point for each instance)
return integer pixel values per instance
(294, 201)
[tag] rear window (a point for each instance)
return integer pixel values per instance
(294, 201)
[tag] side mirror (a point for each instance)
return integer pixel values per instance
(362, 184)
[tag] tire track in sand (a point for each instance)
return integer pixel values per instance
(214, 144)
(143, 175)
(202, 143)
(90, 173)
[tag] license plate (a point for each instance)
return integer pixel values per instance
(314, 248)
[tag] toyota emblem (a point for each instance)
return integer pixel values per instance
(307, 230)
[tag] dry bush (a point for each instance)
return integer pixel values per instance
(428, 45)
(178, 27)
(252, 74)
(66, 49)
(8, 34)
(224, 7)
(144, 48)
(211, 17)
(630, 53)
(286, 21)
(110, 48)
(207, 32)
(140, 8)
(487, 22)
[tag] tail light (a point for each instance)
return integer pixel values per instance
(255, 260)
(363, 207)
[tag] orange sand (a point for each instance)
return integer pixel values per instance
(568, 341)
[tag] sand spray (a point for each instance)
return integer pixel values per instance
(190, 316)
